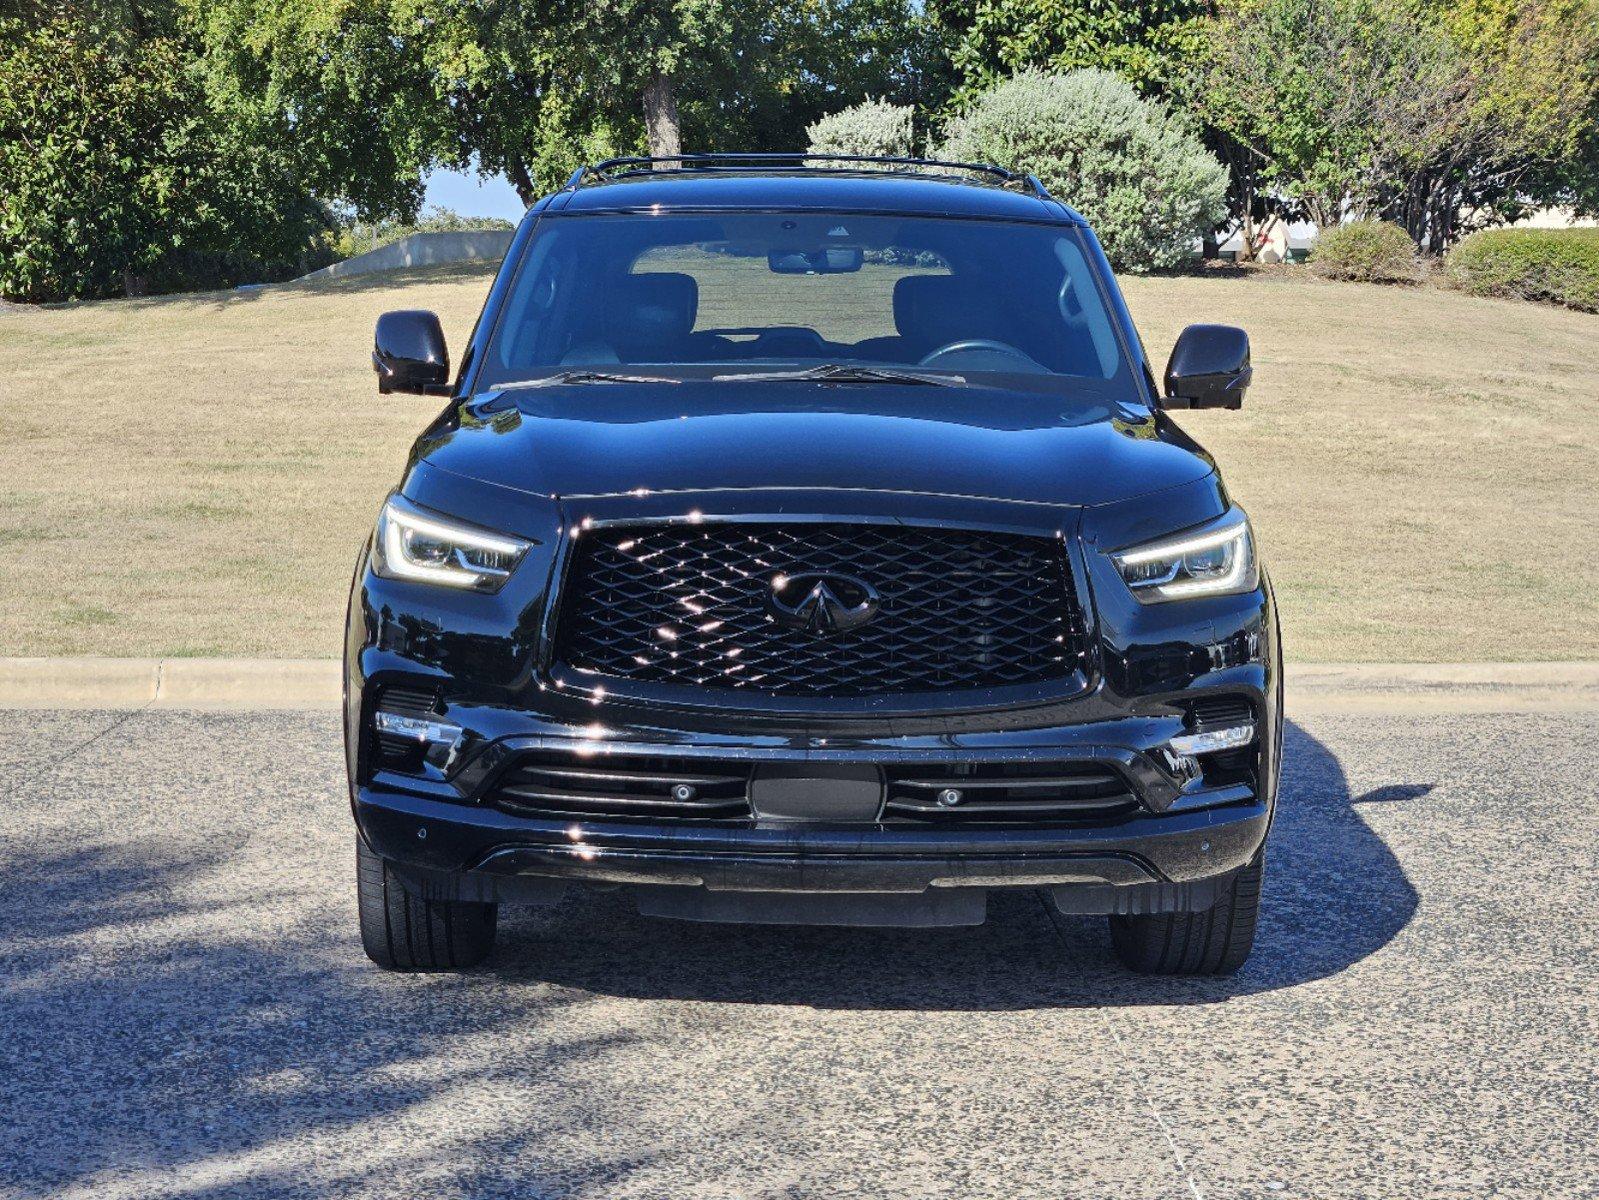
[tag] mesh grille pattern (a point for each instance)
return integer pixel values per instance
(687, 605)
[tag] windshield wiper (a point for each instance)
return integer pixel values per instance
(585, 376)
(848, 373)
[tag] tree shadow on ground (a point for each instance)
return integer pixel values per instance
(189, 1013)
(155, 1043)
(1334, 895)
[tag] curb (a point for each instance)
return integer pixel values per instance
(1418, 688)
(272, 684)
(238, 684)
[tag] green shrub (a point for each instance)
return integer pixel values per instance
(870, 127)
(1133, 167)
(1561, 265)
(1367, 252)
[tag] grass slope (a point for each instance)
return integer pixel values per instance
(193, 475)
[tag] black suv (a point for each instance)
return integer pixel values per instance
(806, 540)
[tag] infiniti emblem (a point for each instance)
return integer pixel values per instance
(822, 603)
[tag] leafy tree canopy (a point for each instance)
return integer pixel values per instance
(118, 170)
(989, 40)
(1416, 109)
(531, 88)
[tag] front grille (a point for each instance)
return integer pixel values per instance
(557, 785)
(687, 605)
(1016, 793)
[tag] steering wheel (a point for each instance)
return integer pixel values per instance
(795, 340)
(967, 345)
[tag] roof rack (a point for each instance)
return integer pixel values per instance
(618, 168)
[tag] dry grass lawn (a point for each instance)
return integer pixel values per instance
(193, 475)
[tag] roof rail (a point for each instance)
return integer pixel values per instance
(616, 168)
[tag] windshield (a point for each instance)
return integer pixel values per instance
(839, 297)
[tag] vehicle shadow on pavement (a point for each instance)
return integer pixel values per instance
(1334, 894)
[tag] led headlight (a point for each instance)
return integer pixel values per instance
(1214, 560)
(418, 545)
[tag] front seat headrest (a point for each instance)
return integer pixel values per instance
(934, 310)
(654, 309)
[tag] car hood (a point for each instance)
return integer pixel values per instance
(610, 439)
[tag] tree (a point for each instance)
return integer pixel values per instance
(1333, 99)
(355, 101)
(1421, 112)
(988, 40)
(665, 75)
(117, 170)
(1527, 132)
(383, 89)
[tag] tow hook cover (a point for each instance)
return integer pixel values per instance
(816, 792)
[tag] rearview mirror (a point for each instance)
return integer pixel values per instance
(828, 260)
(1209, 368)
(409, 355)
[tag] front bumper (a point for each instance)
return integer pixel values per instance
(1169, 854)
(1143, 863)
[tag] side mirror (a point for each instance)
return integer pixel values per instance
(409, 355)
(1209, 368)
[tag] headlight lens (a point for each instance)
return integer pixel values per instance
(1216, 560)
(418, 545)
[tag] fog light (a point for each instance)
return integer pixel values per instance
(1211, 741)
(1185, 767)
(440, 740)
(416, 728)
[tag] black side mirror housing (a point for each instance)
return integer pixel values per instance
(409, 354)
(1209, 368)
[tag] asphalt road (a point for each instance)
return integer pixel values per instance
(185, 1010)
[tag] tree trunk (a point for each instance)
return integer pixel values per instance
(1246, 225)
(516, 172)
(660, 116)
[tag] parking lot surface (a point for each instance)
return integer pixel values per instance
(185, 1009)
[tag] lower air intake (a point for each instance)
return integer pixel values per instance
(654, 788)
(1010, 793)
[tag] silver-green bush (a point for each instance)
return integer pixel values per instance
(1133, 167)
(870, 127)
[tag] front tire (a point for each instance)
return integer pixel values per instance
(1213, 942)
(403, 932)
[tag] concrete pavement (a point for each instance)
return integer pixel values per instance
(185, 1011)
